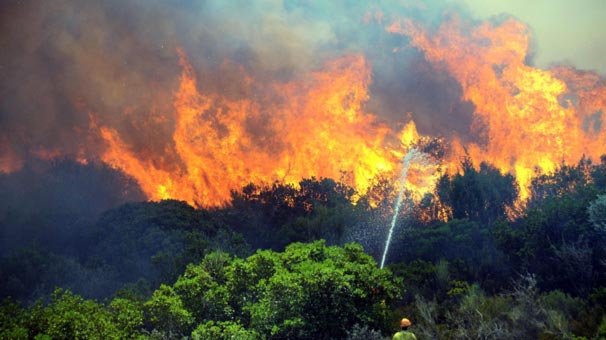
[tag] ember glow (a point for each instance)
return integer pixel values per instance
(202, 105)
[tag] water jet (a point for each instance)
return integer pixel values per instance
(412, 155)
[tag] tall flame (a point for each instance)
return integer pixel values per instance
(315, 127)
(528, 117)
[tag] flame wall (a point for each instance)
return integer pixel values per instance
(196, 99)
(530, 118)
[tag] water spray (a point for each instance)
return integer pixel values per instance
(413, 154)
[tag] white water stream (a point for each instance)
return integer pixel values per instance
(412, 155)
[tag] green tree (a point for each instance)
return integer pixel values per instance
(69, 316)
(308, 291)
(127, 315)
(13, 321)
(165, 311)
(203, 288)
(223, 331)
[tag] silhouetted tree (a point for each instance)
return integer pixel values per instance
(480, 195)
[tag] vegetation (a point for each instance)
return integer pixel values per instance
(309, 291)
(465, 263)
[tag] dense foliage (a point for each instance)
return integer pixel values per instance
(142, 244)
(309, 291)
(467, 262)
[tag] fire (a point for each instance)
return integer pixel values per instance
(529, 118)
(314, 127)
(153, 181)
(214, 140)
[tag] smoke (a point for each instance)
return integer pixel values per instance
(66, 60)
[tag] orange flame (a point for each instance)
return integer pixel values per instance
(524, 114)
(315, 127)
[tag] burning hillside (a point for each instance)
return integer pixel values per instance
(195, 112)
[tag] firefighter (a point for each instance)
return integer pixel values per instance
(404, 334)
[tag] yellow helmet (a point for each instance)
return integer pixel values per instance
(405, 323)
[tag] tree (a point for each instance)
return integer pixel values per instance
(223, 331)
(12, 321)
(582, 180)
(274, 216)
(466, 245)
(482, 195)
(555, 238)
(308, 291)
(69, 316)
(597, 214)
(127, 315)
(327, 289)
(165, 311)
(156, 240)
